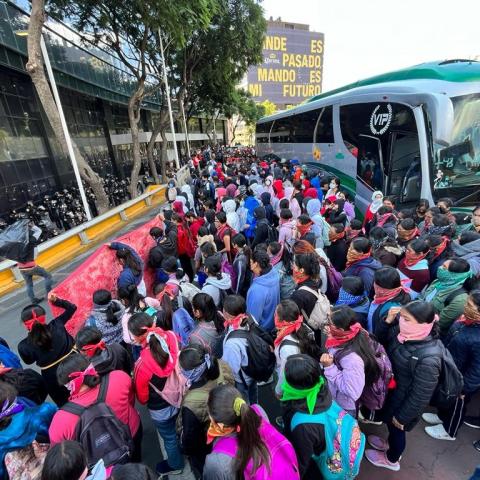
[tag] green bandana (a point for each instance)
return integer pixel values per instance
(447, 279)
(292, 393)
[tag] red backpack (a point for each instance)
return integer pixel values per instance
(186, 245)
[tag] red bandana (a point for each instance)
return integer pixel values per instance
(338, 336)
(412, 258)
(441, 248)
(35, 319)
(91, 350)
(235, 322)
(286, 328)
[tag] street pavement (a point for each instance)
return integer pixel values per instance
(424, 458)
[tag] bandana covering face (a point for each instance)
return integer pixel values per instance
(333, 236)
(304, 229)
(286, 328)
(383, 295)
(235, 322)
(310, 394)
(77, 378)
(447, 279)
(470, 316)
(407, 235)
(345, 298)
(215, 430)
(11, 408)
(299, 277)
(338, 336)
(441, 248)
(354, 257)
(412, 258)
(35, 319)
(196, 373)
(91, 350)
(413, 331)
(274, 259)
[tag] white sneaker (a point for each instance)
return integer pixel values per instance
(431, 418)
(438, 432)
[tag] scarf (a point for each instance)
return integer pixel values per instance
(338, 336)
(345, 298)
(383, 295)
(354, 257)
(407, 235)
(274, 259)
(470, 315)
(299, 277)
(159, 334)
(447, 280)
(196, 373)
(77, 379)
(333, 236)
(435, 230)
(351, 234)
(235, 322)
(383, 219)
(215, 430)
(310, 394)
(412, 258)
(414, 331)
(439, 249)
(286, 328)
(28, 324)
(11, 408)
(91, 350)
(304, 229)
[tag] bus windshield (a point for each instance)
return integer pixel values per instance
(457, 167)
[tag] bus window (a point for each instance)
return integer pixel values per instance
(262, 131)
(282, 130)
(324, 127)
(456, 169)
(304, 126)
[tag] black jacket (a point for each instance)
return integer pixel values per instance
(337, 254)
(62, 344)
(463, 342)
(114, 357)
(261, 232)
(416, 380)
(307, 438)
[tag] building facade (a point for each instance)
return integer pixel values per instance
(94, 89)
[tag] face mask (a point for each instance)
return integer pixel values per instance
(332, 185)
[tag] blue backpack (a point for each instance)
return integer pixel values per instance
(8, 358)
(345, 442)
(183, 325)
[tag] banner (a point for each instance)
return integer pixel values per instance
(100, 271)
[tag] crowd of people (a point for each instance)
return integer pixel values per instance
(264, 275)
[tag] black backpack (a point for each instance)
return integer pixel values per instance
(99, 431)
(272, 231)
(450, 382)
(261, 359)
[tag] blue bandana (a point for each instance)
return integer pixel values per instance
(345, 298)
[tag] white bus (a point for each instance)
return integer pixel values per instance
(413, 134)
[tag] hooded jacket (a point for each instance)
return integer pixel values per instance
(365, 269)
(469, 252)
(313, 210)
(263, 296)
(286, 231)
(111, 332)
(114, 357)
(214, 286)
(261, 229)
(127, 277)
(266, 199)
(251, 203)
(233, 219)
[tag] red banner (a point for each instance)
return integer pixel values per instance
(100, 271)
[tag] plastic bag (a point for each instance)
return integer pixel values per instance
(15, 242)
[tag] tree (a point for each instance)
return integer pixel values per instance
(269, 108)
(36, 70)
(129, 30)
(245, 111)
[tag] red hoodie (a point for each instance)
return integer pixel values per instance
(147, 371)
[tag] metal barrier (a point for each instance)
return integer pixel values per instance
(60, 249)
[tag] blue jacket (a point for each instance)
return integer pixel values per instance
(251, 203)
(263, 296)
(24, 428)
(127, 277)
(365, 269)
(315, 183)
(463, 342)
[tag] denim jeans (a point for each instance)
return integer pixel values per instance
(39, 272)
(168, 432)
(250, 395)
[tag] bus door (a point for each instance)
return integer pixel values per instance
(404, 176)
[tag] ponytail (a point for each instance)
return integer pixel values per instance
(158, 353)
(39, 335)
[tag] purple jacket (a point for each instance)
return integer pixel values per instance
(347, 382)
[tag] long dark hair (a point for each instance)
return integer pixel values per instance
(131, 296)
(88, 336)
(239, 241)
(39, 335)
(136, 325)
(76, 363)
(343, 317)
(206, 305)
(129, 260)
(8, 393)
(64, 460)
(104, 297)
(288, 311)
(250, 444)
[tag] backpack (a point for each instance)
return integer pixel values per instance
(272, 232)
(99, 431)
(283, 460)
(450, 382)
(345, 442)
(334, 282)
(373, 396)
(261, 359)
(183, 325)
(319, 315)
(188, 290)
(174, 388)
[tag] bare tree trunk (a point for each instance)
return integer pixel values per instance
(36, 71)
(161, 124)
(134, 104)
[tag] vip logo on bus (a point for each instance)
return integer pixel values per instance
(380, 119)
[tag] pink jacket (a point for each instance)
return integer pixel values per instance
(286, 231)
(120, 398)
